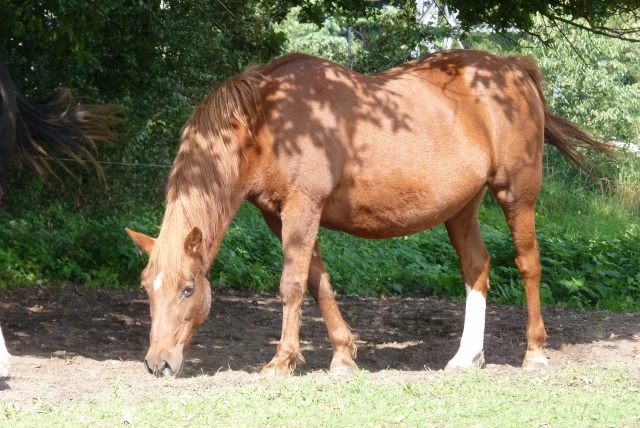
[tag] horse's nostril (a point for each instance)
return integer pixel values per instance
(166, 369)
(158, 367)
(149, 368)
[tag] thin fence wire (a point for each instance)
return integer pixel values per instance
(144, 165)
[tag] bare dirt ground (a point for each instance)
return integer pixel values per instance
(71, 344)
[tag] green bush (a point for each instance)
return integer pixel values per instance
(588, 232)
(579, 269)
(57, 244)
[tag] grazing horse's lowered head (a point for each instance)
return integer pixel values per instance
(179, 303)
(201, 202)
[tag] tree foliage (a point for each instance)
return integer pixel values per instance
(327, 40)
(160, 57)
(616, 19)
(157, 58)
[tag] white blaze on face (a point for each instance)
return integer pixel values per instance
(4, 358)
(472, 342)
(158, 282)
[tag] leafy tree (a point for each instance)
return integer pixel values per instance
(157, 58)
(160, 57)
(617, 19)
(397, 24)
(326, 41)
(611, 18)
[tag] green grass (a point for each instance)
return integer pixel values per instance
(570, 397)
(589, 239)
(578, 211)
(582, 265)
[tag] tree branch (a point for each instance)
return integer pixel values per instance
(601, 30)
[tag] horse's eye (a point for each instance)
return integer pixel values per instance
(187, 291)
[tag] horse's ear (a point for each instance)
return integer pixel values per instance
(143, 242)
(193, 243)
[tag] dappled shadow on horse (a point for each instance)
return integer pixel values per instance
(311, 143)
(29, 130)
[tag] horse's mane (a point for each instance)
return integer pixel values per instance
(204, 175)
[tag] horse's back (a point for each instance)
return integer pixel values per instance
(408, 147)
(443, 100)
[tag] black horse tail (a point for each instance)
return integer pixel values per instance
(58, 121)
(7, 122)
(31, 130)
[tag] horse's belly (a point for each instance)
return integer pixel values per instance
(377, 224)
(392, 211)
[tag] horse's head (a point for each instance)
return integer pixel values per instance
(179, 302)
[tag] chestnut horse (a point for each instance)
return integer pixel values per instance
(56, 121)
(311, 143)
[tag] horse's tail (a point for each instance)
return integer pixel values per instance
(7, 122)
(58, 121)
(558, 131)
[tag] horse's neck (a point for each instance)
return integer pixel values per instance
(205, 178)
(222, 225)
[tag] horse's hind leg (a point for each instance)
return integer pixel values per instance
(344, 349)
(464, 233)
(517, 200)
(4, 357)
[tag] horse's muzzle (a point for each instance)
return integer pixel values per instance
(160, 367)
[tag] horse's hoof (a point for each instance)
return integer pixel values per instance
(536, 363)
(342, 371)
(5, 366)
(477, 361)
(456, 367)
(271, 372)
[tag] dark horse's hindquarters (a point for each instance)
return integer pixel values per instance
(28, 128)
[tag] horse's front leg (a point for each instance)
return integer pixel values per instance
(300, 222)
(344, 347)
(4, 358)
